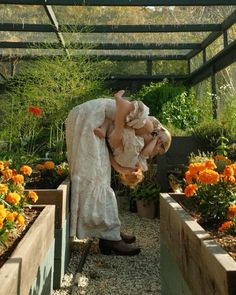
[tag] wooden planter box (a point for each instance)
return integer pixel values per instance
(191, 261)
(60, 198)
(29, 269)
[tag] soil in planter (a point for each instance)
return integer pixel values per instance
(227, 242)
(17, 235)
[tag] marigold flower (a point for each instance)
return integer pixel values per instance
(228, 171)
(188, 177)
(210, 164)
(3, 212)
(1, 223)
(13, 198)
(2, 166)
(11, 216)
(7, 173)
(18, 179)
(33, 196)
(231, 211)
(36, 111)
(60, 171)
(209, 176)
(226, 225)
(20, 220)
(222, 158)
(3, 188)
(39, 167)
(195, 168)
(49, 165)
(25, 169)
(190, 190)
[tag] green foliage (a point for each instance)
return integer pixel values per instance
(149, 189)
(183, 111)
(55, 85)
(210, 133)
(156, 95)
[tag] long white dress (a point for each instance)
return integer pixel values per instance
(94, 211)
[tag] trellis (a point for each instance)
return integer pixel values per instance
(209, 68)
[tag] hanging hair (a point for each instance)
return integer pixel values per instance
(132, 179)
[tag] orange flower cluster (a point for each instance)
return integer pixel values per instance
(13, 200)
(204, 173)
(226, 225)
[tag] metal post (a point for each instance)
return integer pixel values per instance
(149, 67)
(214, 94)
(225, 35)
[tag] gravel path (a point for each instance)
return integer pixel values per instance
(114, 275)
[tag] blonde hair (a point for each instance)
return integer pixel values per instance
(132, 179)
(162, 132)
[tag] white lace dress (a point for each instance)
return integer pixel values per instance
(94, 211)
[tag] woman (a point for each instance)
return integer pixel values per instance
(94, 211)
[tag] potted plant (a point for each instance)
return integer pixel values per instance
(26, 236)
(196, 229)
(146, 194)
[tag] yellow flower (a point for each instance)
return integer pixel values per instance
(25, 169)
(49, 165)
(3, 212)
(13, 198)
(20, 220)
(33, 196)
(2, 166)
(3, 188)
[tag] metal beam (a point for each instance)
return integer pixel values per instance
(146, 77)
(123, 2)
(104, 46)
(52, 17)
(220, 61)
(227, 23)
(96, 57)
(19, 27)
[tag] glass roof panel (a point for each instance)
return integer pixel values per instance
(142, 15)
(23, 14)
(179, 37)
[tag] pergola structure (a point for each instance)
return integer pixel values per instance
(149, 52)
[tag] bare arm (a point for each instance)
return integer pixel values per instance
(148, 149)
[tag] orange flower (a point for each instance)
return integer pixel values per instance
(49, 165)
(228, 171)
(7, 173)
(13, 198)
(36, 111)
(60, 171)
(33, 196)
(18, 179)
(188, 177)
(190, 190)
(210, 164)
(11, 215)
(231, 211)
(25, 169)
(195, 168)
(39, 167)
(209, 176)
(3, 188)
(226, 225)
